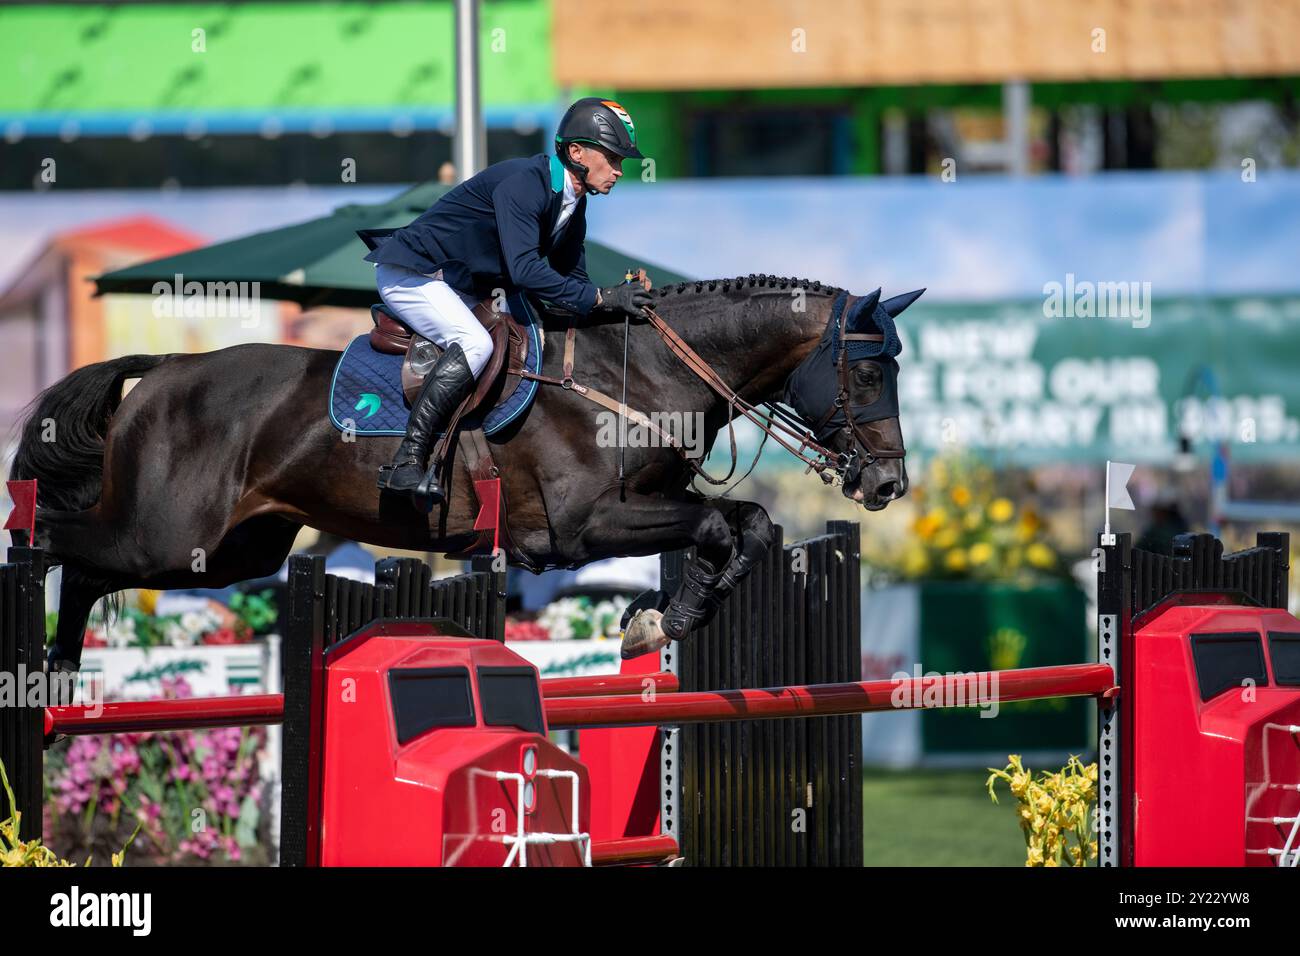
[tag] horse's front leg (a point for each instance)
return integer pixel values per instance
(755, 532)
(751, 527)
(645, 525)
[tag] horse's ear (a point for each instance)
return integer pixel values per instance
(900, 302)
(860, 313)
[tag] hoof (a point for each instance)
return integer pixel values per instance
(644, 635)
(657, 600)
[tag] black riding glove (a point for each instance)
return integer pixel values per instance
(629, 298)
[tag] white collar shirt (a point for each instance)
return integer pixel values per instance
(567, 204)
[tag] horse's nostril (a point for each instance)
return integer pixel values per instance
(888, 490)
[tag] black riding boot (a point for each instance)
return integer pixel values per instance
(445, 387)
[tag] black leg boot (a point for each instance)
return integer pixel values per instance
(695, 599)
(445, 387)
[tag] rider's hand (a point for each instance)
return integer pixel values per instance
(629, 298)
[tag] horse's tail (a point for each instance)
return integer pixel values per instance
(62, 444)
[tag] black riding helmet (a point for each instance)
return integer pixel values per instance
(600, 122)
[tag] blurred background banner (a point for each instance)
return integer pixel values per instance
(983, 238)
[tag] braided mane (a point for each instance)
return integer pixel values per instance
(752, 281)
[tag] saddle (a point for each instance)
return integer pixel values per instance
(392, 336)
(497, 380)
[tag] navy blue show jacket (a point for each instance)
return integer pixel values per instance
(495, 230)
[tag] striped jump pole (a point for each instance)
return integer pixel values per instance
(914, 693)
(199, 713)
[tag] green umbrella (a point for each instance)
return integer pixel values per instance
(321, 262)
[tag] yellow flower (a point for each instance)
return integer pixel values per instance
(926, 527)
(981, 553)
(1000, 510)
(945, 539)
(1051, 815)
(1040, 555)
(973, 520)
(961, 496)
(147, 600)
(955, 560)
(1028, 525)
(916, 564)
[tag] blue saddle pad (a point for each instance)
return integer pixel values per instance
(367, 387)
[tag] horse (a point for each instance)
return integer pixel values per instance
(202, 474)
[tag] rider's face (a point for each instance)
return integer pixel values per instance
(604, 168)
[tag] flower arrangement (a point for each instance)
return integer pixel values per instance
(16, 852)
(579, 618)
(522, 630)
(192, 795)
(257, 611)
(137, 626)
(1053, 809)
(963, 529)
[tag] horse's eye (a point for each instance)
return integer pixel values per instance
(865, 374)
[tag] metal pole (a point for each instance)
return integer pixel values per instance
(469, 151)
(1015, 116)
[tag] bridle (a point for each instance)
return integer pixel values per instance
(791, 432)
(851, 427)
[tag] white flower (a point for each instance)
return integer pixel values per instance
(176, 635)
(121, 633)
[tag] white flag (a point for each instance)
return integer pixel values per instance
(1117, 476)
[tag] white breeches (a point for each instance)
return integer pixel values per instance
(435, 310)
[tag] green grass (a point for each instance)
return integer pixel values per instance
(938, 818)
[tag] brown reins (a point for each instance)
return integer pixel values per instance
(772, 421)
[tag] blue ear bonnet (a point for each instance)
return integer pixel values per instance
(813, 389)
(868, 314)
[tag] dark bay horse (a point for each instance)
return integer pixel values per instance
(203, 474)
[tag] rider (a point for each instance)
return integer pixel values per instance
(520, 223)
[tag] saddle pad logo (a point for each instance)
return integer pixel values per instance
(369, 403)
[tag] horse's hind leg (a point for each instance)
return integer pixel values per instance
(96, 565)
(78, 542)
(78, 593)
